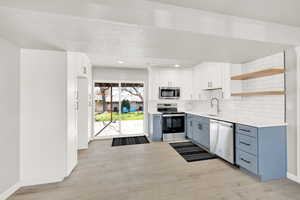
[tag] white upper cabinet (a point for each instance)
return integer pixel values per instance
(226, 80)
(213, 75)
(195, 83)
(185, 83)
(198, 82)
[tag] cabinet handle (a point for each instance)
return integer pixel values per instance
(246, 161)
(200, 126)
(191, 123)
(241, 142)
(245, 130)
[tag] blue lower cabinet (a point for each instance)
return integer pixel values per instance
(204, 138)
(247, 161)
(262, 151)
(155, 127)
(189, 127)
(201, 131)
(246, 143)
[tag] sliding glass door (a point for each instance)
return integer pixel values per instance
(107, 109)
(132, 108)
(119, 109)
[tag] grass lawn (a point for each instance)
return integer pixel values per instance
(116, 116)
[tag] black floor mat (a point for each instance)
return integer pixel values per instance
(129, 140)
(191, 152)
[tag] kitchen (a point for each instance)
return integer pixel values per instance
(236, 111)
(207, 90)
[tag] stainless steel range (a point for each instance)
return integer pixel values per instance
(173, 122)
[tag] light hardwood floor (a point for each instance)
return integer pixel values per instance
(155, 172)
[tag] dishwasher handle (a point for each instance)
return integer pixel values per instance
(229, 125)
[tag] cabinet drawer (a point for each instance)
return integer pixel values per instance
(246, 161)
(246, 130)
(246, 143)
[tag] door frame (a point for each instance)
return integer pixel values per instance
(145, 103)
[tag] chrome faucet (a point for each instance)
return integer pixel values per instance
(218, 104)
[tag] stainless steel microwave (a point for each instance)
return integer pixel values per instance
(169, 92)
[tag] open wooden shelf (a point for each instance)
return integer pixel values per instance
(258, 93)
(266, 72)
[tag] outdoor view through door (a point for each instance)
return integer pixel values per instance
(119, 109)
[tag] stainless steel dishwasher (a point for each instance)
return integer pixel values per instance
(222, 140)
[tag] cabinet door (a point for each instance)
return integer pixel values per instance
(204, 137)
(201, 133)
(189, 128)
(217, 77)
(205, 76)
(196, 131)
(198, 83)
(185, 84)
(213, 75)
(226, 81)
(154, 84)
(157, 128)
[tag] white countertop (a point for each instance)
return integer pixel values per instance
(233, 119)
(238, 120)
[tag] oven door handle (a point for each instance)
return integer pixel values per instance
(174, 115)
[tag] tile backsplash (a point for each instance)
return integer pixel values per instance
(258, 108)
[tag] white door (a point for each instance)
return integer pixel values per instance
(83, 113)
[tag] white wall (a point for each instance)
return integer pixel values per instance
(291, 109)
(298, 111)
(9, 117)
(265, 108)
(43, 128)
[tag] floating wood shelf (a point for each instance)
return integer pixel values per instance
(258, 93)
(266, 72)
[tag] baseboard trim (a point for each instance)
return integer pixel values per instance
(10, 191)
(41, 182)
(292, 177)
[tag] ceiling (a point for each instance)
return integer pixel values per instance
(278, 11)
(107, 42)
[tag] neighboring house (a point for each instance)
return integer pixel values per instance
(135, 102)
(137, 105)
